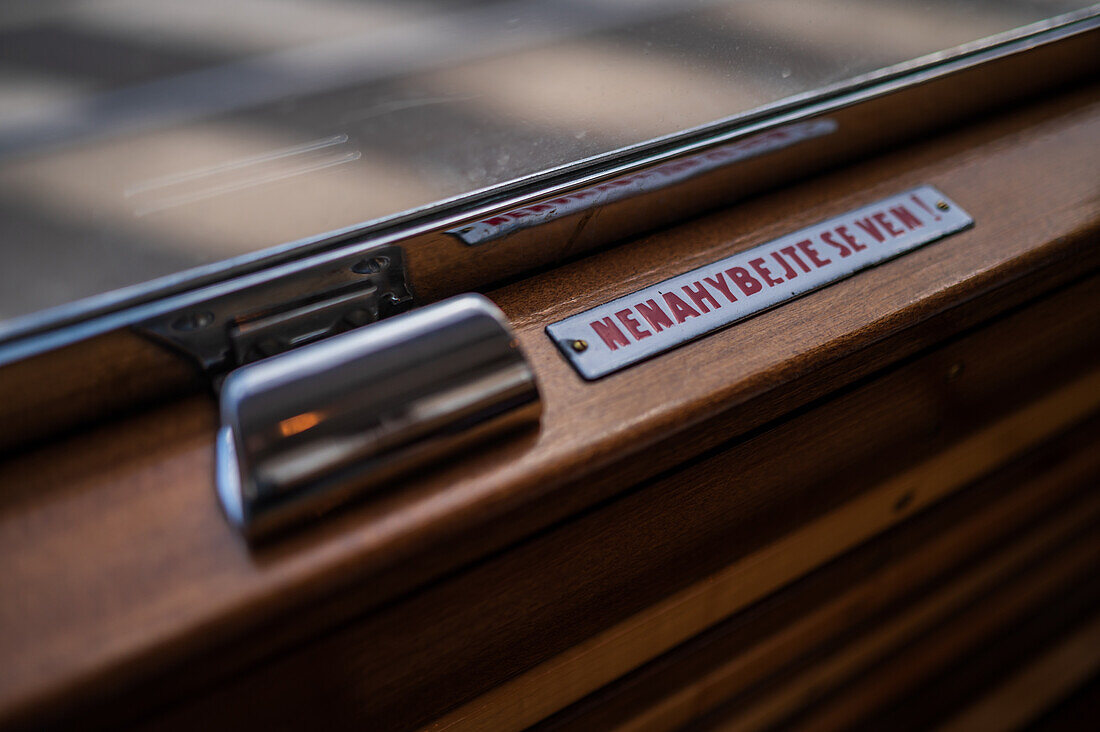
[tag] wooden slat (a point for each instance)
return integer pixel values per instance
(968, 676)
(815, 681)
(1067, 716)
(1045, 584)
(726, 662)
(1031, 690)
(565, 679)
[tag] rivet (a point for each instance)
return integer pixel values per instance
(942, 205)
(373, 265)
(193, 321)
(579, 346)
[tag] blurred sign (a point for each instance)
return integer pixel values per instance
(628, 185)
(653, 320)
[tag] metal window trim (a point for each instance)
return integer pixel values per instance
(25, 336)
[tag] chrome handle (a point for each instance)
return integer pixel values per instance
(308, 429)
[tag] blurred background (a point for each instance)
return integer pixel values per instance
(140, 138)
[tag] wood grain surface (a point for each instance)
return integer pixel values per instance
(520, 702)
(476, 630)
(822, 611)
(993, 611)
(1029, 691)
(120, 568)
(124, 374)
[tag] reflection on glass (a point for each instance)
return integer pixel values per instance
(139, 139)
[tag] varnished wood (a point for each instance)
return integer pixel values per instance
(893, 572)
(124, 373)
(117, 549)
(1005, 604)
(1030, 690)
(557, 590)
(968, 677)
(1067, 715)
(589, 665)
(922, 617)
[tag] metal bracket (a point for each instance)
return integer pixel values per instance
(245, 326)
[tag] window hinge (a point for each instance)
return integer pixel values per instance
(224, 332)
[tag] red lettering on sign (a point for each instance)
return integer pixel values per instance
(827, 237)
(744, 280)
(815, 257)
(849, 239)
(765, 274)
(658, 319)
(788, 270)
(680, 309)
(610, 333)
(790, 252)
(718, 282)
(905, 216)
(701, 297)
(869, 226)
(632, 325)
(887, 224)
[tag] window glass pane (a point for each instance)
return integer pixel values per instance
(139, 139)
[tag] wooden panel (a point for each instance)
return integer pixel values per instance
(980, 619)
(1067, 716)
(1006, 618)
(473, 632)
(523, 701)
(124, 567)
(824, 609)
(1012, 678)
(122, 373)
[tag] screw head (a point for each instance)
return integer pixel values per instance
(193, 321)
(374, 265)
(579, 346)
(942, 205)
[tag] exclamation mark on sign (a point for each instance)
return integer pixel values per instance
(935, 216)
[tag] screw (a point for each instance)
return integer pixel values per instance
(374, 265)
(942, 205)
(953, 371)
(579, 346)
(193, 321)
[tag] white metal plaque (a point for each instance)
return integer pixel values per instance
(660, 317)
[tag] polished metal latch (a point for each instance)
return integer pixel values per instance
(273, 316)
(307, 429)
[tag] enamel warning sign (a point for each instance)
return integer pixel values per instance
(663, 316)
